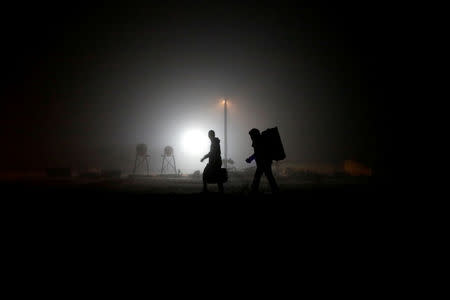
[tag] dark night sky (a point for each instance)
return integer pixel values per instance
(81, 79)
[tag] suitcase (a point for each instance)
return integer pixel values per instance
(273, 143)
(218, 177)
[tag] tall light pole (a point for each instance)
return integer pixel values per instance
(225, 129)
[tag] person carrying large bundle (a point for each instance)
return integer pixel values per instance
(267, 147)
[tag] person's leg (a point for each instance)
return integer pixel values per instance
(205, 176)
(256, 179)
(270, 178)
(217, 175)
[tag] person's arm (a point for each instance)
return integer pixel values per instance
(205, 157)
(251, 158)
(212, 151)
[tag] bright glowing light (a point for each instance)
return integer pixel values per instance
(195, 142)
(223, 101)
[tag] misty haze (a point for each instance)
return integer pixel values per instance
(87, 85)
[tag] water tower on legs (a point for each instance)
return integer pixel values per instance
(168, 161)
(141, 157)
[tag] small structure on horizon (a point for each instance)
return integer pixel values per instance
(168, 161)
(141, 156)
(229, 163)
(354, 168)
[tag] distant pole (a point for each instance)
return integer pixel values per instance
(225, 129)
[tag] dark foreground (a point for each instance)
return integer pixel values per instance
(86, 221)
(182, 188)
(337, 198)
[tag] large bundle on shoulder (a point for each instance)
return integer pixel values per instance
(273, 144)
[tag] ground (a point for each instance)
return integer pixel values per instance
(159, 211)
(152, 187)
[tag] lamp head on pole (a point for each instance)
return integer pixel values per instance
(224, 101)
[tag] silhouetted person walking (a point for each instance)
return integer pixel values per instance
(215, 162)
(263, 161)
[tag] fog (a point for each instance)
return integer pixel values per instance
(85, 91)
